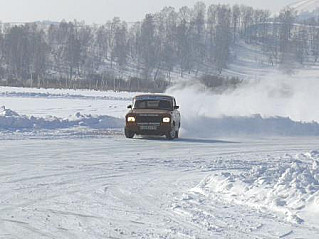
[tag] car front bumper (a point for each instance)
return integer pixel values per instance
(149, 128)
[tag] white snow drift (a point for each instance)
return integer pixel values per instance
(199, 127)
(289, 186)
(10, 120)
(255, 125)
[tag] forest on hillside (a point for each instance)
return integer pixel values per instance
(141, 56)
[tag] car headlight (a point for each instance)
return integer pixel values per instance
(131, 119)
(166, 119)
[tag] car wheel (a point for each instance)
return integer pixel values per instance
(129, 134)
(177, 134)
(171, 134)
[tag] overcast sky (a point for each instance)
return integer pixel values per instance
(99, 11)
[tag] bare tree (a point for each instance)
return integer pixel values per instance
(286, 19)
(223, 37)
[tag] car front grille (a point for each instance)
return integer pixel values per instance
(148, 119)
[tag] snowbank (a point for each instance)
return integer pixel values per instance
(254, 125)
(200, 127)
(290, 188)
(10, 120)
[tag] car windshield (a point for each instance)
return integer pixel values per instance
(153, 104)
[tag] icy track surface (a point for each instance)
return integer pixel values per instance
(66, 171)
(111, 187)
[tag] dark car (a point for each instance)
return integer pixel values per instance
(153, 114)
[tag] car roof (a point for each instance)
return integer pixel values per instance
(154, 96)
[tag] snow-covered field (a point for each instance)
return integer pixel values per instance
(67, 171)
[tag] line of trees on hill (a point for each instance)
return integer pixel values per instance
(143, 55)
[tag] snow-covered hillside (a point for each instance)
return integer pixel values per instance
(305, 6)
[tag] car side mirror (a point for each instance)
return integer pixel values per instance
(129, 106)
(176, 107)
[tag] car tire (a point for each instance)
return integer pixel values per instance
(129, 134)
(176, 134)
(171, 134)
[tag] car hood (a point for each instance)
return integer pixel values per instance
(149, 111)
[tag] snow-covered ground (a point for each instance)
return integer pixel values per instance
(305, 5)
(67, 171)
(63, 103)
